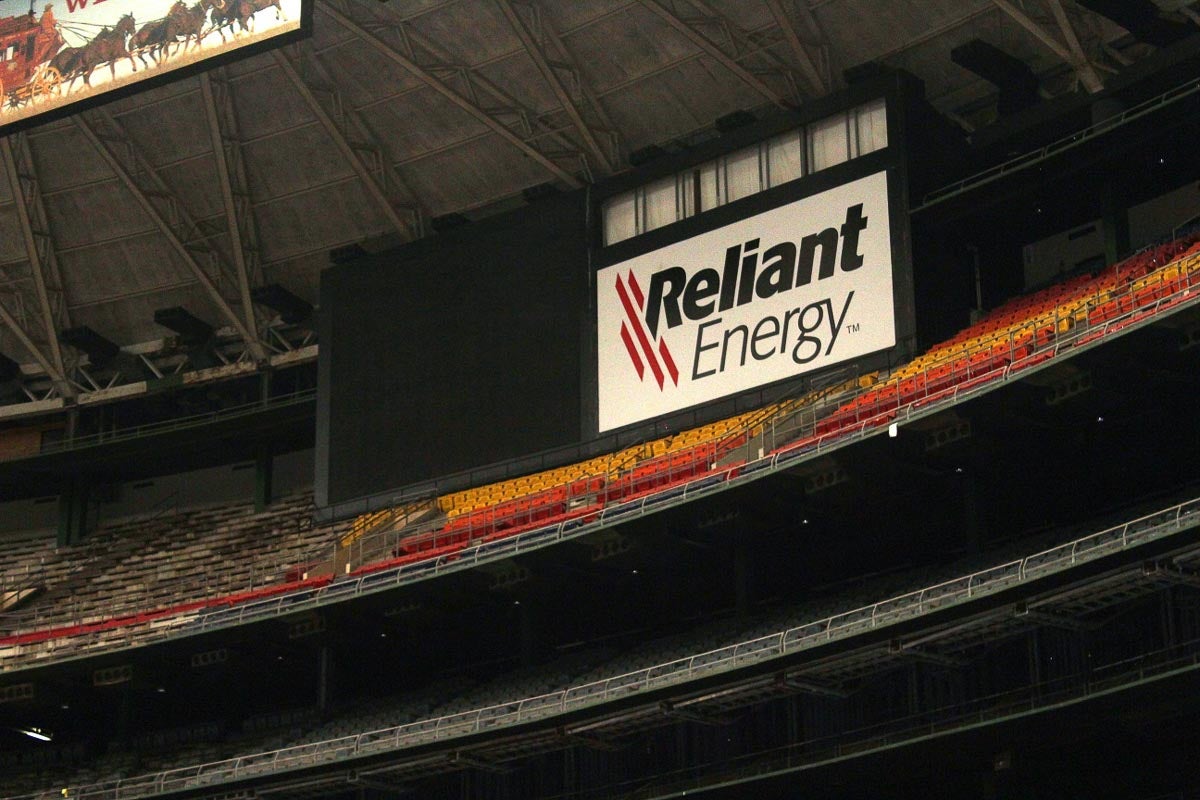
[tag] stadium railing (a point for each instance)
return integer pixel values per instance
(844, 625)
(1121, 297)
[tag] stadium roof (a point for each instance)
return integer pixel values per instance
(396, 113)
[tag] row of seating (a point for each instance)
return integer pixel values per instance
(594, 666)
(508, 491)
(1009, 336)
(138, 570)
(1011, 333)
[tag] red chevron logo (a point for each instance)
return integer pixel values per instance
(635, 305)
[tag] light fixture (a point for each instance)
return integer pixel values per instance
(37, 733)
(893, 430)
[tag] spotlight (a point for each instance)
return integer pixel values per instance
(37, 733)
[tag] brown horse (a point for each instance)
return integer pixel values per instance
(183, 26)
(108, 46)
(222, 16)
(149, 41)
(69, 63)
(227, 13)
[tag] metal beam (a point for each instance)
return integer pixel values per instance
(407, 221)
(1087, 73)
(535, 50)
(232, 222)
(798, 684)
(426, 76)
(39, 261)
(256, 347)
(1051, 620)
(710, 47)
(1055, 46)
(41, 358)
(808, 67)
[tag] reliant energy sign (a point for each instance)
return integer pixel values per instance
(792, 290)
(57, 53)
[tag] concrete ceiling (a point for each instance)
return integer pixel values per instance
(395, 113)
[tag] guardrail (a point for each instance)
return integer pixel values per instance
(1078, 339)
(840, 626)
(176, 423)
(948, 720)
(1069, 142)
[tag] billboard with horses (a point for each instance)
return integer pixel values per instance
(62, 52)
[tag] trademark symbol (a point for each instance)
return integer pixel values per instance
(852, 327)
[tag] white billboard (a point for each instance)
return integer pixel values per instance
(792, 290)
(55, 53)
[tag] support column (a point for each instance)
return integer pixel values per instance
(263, 472)
(72, 513)
(527, 622)
(741, 577)
(324, 676)
(974, 524)
(1116, 225)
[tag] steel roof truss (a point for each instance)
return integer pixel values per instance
(239, 222)
(353, 140)
(693, 26)
(438, 76)
(39, 247)
(532, 29)
(123, 157)
(1073, 56)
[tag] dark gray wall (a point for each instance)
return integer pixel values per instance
(453, 352)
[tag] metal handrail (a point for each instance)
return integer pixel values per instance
(175, 423)
(1062, 145)
(1083, 336)
(842, 625)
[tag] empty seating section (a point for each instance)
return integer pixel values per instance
(186, 563)
(169, 561)
(1012, 333)
(452, 704)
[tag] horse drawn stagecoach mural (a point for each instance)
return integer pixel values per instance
(54, 54)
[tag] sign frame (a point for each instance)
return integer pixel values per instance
(161, 77)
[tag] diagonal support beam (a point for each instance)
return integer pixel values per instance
(256, 348)
(41, 258)
(565, 61)
(232, 222)
(23, 337)
(1058, 48)
(468, 105)
(808, 67)
(534, 49)
(406, 221)
(710, 47)
(1087, 73)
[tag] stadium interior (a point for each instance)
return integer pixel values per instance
(966, 565)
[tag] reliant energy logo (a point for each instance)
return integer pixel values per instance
(795, 289)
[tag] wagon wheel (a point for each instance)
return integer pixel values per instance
(48, 82)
